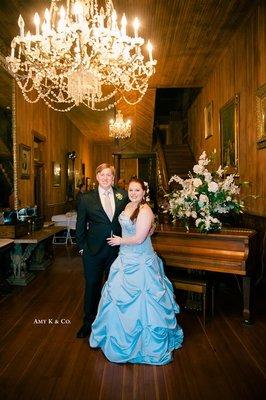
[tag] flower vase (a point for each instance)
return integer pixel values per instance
(215, 229)
(211, 229)
(186, 224)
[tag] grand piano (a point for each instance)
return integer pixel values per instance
(231, 251)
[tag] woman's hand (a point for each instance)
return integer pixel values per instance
(114, 240)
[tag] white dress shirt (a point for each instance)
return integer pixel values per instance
(111, 196)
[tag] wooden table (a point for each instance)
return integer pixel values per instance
(229, 251)
(5, 243)
(36, 242)
(5, 246)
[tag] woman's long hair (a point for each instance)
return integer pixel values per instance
(135, 213)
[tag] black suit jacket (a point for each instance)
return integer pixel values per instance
(91, 212)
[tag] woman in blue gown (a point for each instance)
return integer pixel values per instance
(136, 319)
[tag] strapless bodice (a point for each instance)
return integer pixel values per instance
(129, 229)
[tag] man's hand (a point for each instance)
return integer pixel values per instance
(152, 229)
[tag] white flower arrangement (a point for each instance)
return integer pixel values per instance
(119, 196)
(204, 197)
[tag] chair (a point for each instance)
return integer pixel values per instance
(71, 226)
(68, 221)
(189, 284)
(61, 237)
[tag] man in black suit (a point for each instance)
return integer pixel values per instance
(97, 219)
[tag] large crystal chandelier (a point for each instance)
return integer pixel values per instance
(119, 129)
(80, 54)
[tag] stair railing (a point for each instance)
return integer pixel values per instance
(162, 174)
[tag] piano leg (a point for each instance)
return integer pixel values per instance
(247, 300)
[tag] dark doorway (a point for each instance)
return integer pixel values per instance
(171, 110)
(145, 168)
(39, 173)
(39, 187)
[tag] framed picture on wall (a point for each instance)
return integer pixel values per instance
(208, 120)
(24, 161)
(229, 134)
(56, 174)
(261, 116)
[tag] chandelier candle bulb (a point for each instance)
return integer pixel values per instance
(48, 21)
(101, 18)
(62, 13)
(62, 21)
(78, 11)
(21, 25)
(77, 8)
(47, 15)
(37, 23)
(114, 19)
(136, 26)
(124, 26)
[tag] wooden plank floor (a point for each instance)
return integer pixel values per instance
(226, 360)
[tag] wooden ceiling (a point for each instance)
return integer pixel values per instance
(189, 37)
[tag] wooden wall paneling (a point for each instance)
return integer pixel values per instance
(102, 153)
(252, 161)
(86, 156)
(145, 121)
(241, 70)
(261, 38)
(142, 117)
(128, 168)
(61, 137)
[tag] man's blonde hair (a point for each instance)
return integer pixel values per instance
(101, 167)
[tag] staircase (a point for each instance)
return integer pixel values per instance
(179, 159)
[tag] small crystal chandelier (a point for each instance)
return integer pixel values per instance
(119, 129)
(80, 55)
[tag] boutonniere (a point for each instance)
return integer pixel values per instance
(119, 196)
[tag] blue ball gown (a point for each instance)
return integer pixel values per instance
(136, 319)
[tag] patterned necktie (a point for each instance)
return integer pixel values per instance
(107, 205)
